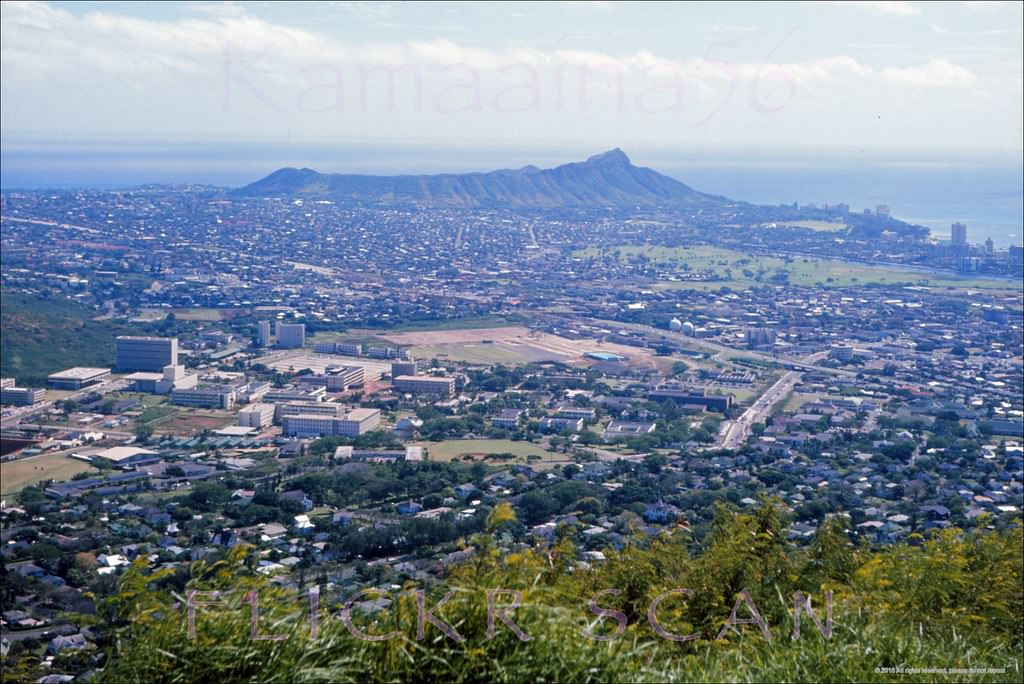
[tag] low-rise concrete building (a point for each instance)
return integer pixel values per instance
(508, 419)
(205, 396)
(76, 378)
(256, 416)
(551, 424)
(22, 396)
(424, 384)
(356, 422)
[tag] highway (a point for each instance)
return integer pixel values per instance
(806, 364)
(735, 432)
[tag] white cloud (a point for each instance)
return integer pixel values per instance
(716, 27)
(593, 4)
(39, 40)
(138, 48)
(982, 6)
(937, 73)
(230, 71)
(902, 9)
(217, 9)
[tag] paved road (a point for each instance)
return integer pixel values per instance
(737, 431)
(22, 413)
(808, 364)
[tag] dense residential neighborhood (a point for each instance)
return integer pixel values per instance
(361, 419)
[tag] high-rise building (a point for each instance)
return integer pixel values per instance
(990, 246)
(291, 335)
(145, 353)
(883, 211)
(958, 233)
(757, 337)
(263, 333)
(842, 352)
(404, 368)
(968, 264)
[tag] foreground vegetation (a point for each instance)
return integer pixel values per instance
(952, 601)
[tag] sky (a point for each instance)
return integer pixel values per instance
(874, 75)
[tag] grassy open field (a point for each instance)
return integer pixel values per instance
(478, 448)
(741, 395)
(15, 475)
(155, 414)
(743, 269)
(145, 398)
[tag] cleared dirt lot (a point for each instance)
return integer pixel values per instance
(299, 359)
(429, 337)
(190, 423)
(511, 344)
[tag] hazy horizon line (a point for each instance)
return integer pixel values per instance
(594, 147)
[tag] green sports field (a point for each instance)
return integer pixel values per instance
(739, 270)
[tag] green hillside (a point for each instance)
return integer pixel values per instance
(41, 336)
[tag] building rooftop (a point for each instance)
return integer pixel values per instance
(78, 373)
(122, 453)
(149, 338)
(235, 431)
(361, 413)
(437, 378)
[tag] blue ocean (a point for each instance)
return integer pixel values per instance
(933, 189)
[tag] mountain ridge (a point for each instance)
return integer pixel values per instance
(605, 179)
